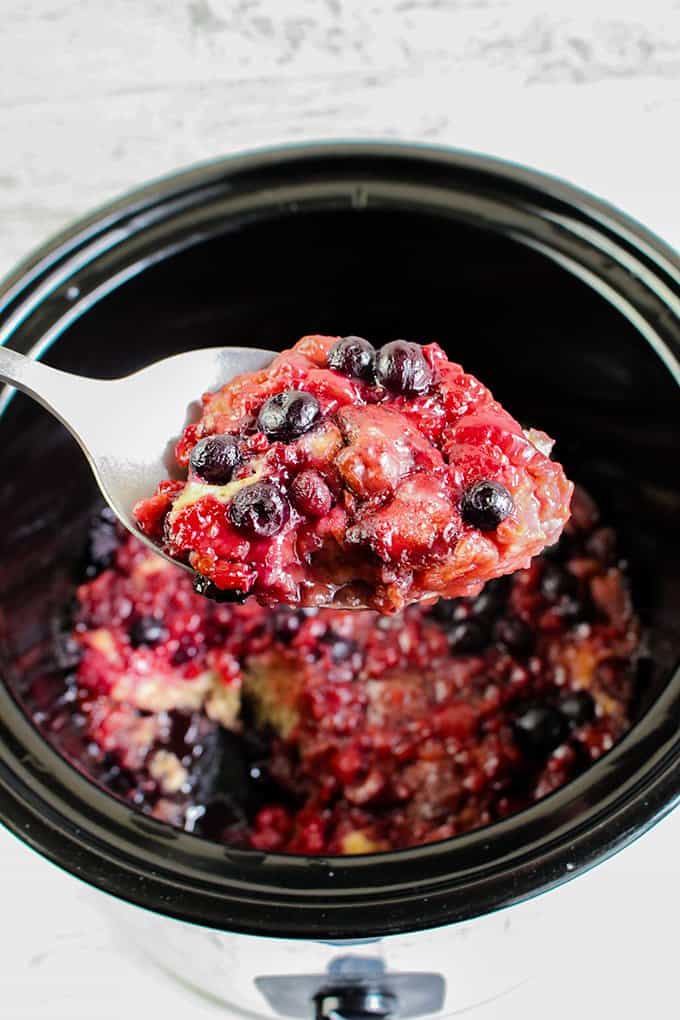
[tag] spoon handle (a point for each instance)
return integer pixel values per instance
(64, 395)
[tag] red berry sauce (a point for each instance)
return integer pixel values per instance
(332, 732)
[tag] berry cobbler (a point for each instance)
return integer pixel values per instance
(345, 476)
(322, 731)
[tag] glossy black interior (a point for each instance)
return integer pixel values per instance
(555, 343)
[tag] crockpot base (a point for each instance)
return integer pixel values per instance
(434, 973)
(563, 305)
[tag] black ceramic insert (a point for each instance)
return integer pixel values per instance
(566, 308)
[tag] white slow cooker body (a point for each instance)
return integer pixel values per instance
(439, 971)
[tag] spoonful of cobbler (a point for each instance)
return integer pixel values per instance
(330, 474)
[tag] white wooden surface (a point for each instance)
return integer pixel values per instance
(98, 95)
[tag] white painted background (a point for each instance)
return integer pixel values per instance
(98, 95)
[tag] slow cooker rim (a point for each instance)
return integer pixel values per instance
(659, 793)
(202, 174)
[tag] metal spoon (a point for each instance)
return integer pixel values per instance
(126, 426)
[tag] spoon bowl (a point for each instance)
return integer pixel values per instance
(127, 427)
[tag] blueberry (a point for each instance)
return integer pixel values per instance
(556, 582)
(444, 610)
(147, 630)
(102, 541)
(491, 599)
(218, 820)
(353, 356)
(288, 414)
(204, 586)
(67, 651)
(401, 368)
(540, 728)
(486, 504)
(602, 545)
(285, 624)
(214, 458)
(185, 651)
(577, 707)
(468, 636)
(259, 509)
(341, 649)
(114, 778)
(514, 634)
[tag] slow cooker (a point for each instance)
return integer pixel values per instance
(569, 310)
